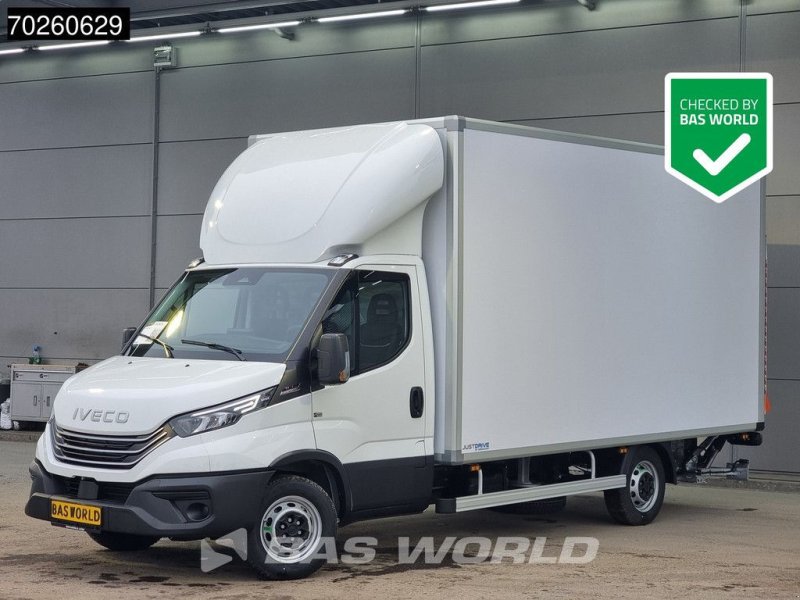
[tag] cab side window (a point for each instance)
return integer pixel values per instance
(384, 323)
(373, 309)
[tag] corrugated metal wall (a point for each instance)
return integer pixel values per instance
(76, 132)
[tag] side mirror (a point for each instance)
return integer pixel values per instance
(333, 358)
(127, 334)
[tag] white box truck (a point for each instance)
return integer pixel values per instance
(442, 311)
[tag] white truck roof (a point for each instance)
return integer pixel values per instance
(305, 196)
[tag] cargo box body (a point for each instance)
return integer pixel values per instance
(583, 298)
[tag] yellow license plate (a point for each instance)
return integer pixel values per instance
(75, 513)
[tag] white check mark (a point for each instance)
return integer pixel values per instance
(716, 166)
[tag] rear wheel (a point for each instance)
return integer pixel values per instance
(640, 500)
(122, 542)
(298, 517)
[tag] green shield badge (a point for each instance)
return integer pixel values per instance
(718, 130)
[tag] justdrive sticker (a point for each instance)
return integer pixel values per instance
(718, 130)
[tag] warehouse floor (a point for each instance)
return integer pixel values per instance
(708, 542)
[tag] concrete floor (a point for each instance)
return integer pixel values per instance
(708, 542)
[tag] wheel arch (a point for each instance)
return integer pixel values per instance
(667, 462)
(324, 469)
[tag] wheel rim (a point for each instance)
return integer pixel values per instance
(291, 529)
(644, 486)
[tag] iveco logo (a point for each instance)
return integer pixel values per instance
(100, 416)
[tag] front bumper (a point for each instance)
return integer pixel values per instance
(190, 506)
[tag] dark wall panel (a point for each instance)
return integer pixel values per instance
(74, 253)
(324, 91)
(78, 63)
(785, 178)
(773, 45)
(84, 111)
(783, 215)
(76, 182)
(588, 73)
(69, 324)
(784, 264)
(756, 7)
(784, 343)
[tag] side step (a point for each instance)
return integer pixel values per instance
(478, 501)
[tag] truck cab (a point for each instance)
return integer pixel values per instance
(220, 391)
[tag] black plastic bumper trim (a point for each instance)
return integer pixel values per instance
(156, 506)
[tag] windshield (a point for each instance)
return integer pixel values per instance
(250, 313)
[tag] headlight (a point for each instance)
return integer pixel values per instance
(221, 415)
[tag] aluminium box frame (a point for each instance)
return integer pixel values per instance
(453, 128)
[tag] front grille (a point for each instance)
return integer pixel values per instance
(106, 451)
(108, 491)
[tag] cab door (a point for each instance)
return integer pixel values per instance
(375, 422)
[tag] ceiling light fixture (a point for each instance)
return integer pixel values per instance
(277, 26)
(468, 5)
(73, 45)
(255, 27)
(165, 36)
(369, 15)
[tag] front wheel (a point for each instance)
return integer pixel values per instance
(297, 518)
(640, 500)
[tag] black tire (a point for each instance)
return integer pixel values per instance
(122, 542)
(641, 499)
(307, 516)
(535, 507)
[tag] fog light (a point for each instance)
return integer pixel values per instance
(197, 511)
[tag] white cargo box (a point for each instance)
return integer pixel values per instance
(584, 298)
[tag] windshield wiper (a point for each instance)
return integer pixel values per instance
(235, 351)
(167, 348)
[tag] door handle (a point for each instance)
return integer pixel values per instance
(416, 402)
(35, 400)
(48, 401)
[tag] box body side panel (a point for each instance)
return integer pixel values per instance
(594, 298)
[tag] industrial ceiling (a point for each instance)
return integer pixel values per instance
(149, 14)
